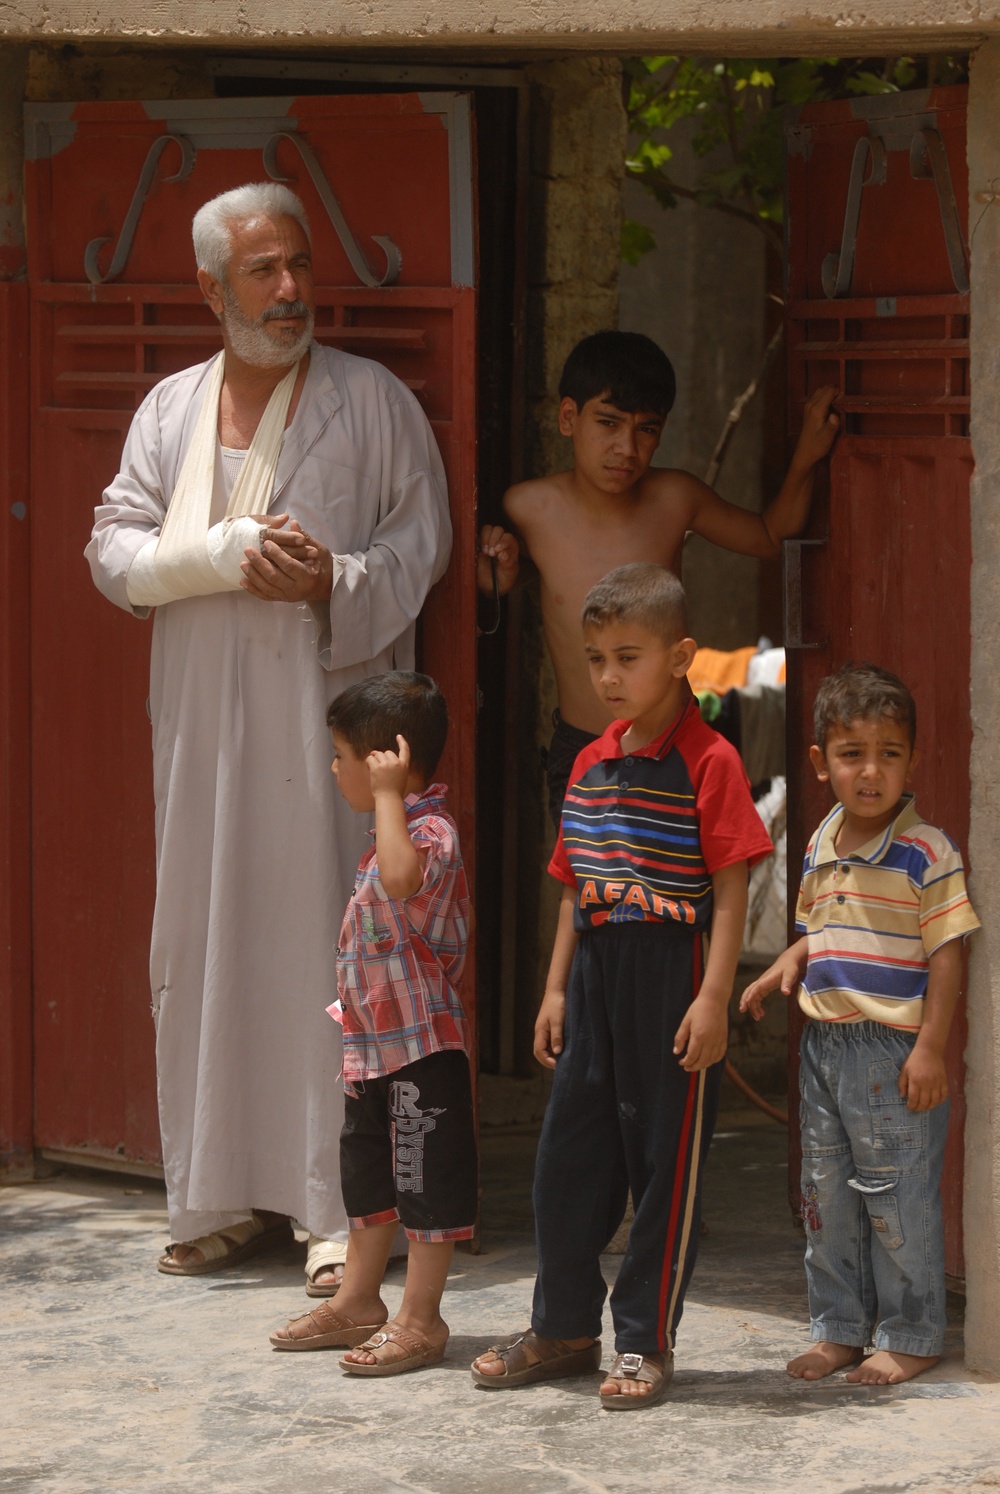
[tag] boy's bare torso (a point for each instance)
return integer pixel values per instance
(573, 543)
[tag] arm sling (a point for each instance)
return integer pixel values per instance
(189, 557)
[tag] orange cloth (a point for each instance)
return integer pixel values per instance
(714, 669)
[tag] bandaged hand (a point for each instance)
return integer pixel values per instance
(290, 566)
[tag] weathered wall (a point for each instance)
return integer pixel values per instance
(982, 1164)
(700, 295)
(66, 74)
(578, 149)
(726, 26)
(13, 68)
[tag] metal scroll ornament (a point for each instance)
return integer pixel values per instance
(928, 162)
(929, 159)
(123, 248)
(353, 250)
(838, 269)
(147, 178)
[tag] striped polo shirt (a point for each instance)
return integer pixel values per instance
(874, 918)
(642, 832)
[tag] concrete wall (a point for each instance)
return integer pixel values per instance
(578, 151)
(982, 1167)
(726, 26)
(13, 69)
(700, 295)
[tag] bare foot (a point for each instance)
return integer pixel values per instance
(886, 1367)
(491, 1362)
(823, 1359)
(617, 1383)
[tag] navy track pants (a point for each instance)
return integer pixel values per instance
(623, 1115)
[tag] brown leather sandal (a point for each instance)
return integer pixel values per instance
(395, 1350)
(323, 1328)
(528, 1358)
(638, 1367)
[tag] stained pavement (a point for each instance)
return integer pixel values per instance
(116, 1378)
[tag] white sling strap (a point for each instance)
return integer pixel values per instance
(190, 558)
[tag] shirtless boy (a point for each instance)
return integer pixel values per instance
(616, 392)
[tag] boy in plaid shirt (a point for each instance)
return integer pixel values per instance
(408, 1147)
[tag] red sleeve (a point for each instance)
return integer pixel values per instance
(559, 866)
(729, 827)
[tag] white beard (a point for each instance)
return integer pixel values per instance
(254, 344)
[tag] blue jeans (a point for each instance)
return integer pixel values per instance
(871, 1199)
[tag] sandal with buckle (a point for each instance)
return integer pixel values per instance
(529, 1358)
(638, 1367)
(395, 1350)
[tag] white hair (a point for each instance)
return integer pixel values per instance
(213, 224)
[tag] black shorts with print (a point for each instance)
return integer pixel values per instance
(408, 1150)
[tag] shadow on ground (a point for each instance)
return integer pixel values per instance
(117, 1378)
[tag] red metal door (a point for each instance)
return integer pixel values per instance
(878, 305)
(111, 188)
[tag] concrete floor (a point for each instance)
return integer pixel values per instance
(117, 1378)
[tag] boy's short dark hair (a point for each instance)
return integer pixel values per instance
(862, 692)
(625, 368)
(371, 714)
(643, 592)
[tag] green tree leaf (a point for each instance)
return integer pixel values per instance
(636, 241)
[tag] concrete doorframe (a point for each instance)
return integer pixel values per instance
(982, 1136)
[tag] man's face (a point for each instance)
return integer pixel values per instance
(868, 766)
(612, 448)
(353, 776)
(267, 303)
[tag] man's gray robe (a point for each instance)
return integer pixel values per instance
(256, 851)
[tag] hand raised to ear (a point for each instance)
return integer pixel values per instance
(389, 770)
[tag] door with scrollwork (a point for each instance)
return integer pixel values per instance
(878, 305)
(387, 182)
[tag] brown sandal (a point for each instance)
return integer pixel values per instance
(323, 1328)
(528, 1358)
(638, 1367)
(395, 1350)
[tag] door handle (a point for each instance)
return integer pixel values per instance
(791, 557)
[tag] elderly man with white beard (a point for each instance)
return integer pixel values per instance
(283, 508)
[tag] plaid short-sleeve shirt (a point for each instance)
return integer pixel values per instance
(400, 960)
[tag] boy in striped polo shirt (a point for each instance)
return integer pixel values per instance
(882, 912)
(658, 830)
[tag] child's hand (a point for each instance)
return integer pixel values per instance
(497, 543)
(820, 424)
(549, 1028)
(389, 771)
(784, 976)
(923, 1080)
(703, 1036)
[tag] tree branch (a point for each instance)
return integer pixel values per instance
(739, 406)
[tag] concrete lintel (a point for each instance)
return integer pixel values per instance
(735, 27)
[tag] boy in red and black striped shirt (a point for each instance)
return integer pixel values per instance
(658, 832)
